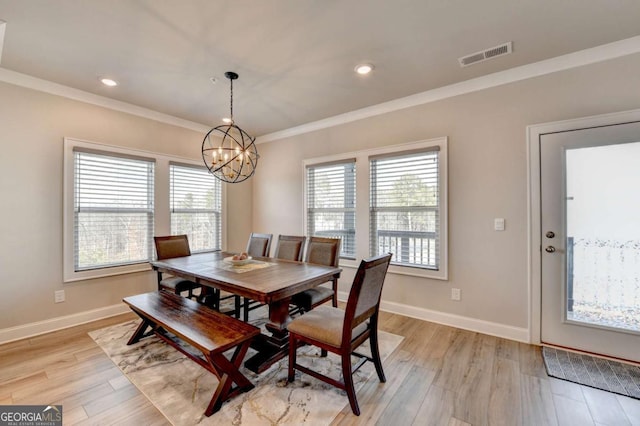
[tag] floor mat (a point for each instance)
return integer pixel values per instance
(599, 373)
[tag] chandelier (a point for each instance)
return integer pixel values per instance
(229, 152)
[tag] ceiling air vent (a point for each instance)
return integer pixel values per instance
(484, 55)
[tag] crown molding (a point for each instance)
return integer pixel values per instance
(580, 58)
(34, 83)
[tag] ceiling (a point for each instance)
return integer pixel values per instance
(295, 58)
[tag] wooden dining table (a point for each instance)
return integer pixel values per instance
(267, 280)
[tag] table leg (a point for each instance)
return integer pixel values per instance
(275, 347)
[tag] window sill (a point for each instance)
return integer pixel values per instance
(74, 276)
(403, 270)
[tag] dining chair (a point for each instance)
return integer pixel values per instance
(257, 246)
(342, 332)
(322, 251)
(168, 247)
(290, 247)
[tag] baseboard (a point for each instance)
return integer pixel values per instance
(491, 328)
(465, 323)
(36, 328)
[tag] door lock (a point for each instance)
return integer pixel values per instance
(550, 249)
(550, 234)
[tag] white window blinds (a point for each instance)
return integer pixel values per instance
(331, 201)
(196, 206)
(405, 206)
(113, 208)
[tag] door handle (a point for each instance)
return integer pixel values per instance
(550, 234)
(550, 249)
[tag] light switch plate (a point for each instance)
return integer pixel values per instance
(498, 224)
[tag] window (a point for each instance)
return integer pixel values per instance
(115, 200)
(113, 213)
(196, 206)
(404, 208)
(331, 200)
(401, 204)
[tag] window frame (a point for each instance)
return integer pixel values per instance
(162, 215)
(363, 201)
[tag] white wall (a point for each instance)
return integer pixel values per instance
(487, 179)
(32, 127)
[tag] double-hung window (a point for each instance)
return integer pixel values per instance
(113, 210)
(331, 199)
(116, 199)
(196, 206)
(401, 205)
(405, 207)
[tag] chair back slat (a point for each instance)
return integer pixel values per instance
(366, 290)
(290, 247)
(259, 245)
(172, 246)
(323, 251)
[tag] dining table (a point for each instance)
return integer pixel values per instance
(270, 281)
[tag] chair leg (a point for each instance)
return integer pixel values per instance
(334, 300)
(375, 352)
(246, 309)
(292, 357)
(323, 353)
(237, 301)
(348, 383)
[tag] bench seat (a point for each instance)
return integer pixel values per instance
(174, 318)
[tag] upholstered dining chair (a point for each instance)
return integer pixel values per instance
(257, 246)
(342, 332)
(290, 247)
(169, 247)
(323, 251)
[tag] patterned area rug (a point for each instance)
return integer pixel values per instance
(181, 389)
(591, 371)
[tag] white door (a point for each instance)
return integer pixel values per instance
(590, 225)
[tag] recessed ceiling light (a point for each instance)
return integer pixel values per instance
(363, 69)
(108, 82)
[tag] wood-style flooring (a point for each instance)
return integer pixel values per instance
(439, 375)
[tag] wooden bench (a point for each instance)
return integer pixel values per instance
(174, 318)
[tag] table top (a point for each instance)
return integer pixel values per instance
(275, 279)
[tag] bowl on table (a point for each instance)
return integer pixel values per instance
(238, 262)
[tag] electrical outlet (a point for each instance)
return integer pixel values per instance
(498, 224)
(58, 296)
(455, 294)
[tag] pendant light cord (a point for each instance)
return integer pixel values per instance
(231, 100)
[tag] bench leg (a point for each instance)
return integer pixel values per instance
(140, 331)
(228, 373)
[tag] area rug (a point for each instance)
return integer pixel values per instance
(181, 389)
(599, 373)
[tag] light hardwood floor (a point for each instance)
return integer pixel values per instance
(439, 375)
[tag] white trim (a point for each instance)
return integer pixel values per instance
(41, 327)
(465, 323)
(3, 26)
(34, 83)
(580, 58)
(534, 261)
